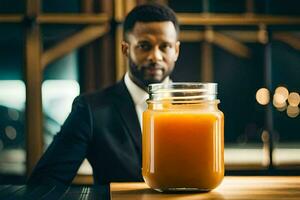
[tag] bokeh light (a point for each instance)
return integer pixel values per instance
(265, 137)
(283, 108)
(292, 111)
(11, 132)
(279, 100)
(283, 91)
(13, 114)
(263, 96)
(294, 99)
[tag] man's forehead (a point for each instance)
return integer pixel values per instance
(164, 28)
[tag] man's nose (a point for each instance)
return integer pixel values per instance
(155, 55)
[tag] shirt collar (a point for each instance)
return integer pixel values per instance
(139, 96)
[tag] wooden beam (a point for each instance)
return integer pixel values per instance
(235, 19)
(77, 40)
(244, 36)
(206, 62)
(87, 55)
(97, 57)
(119, 10)
(73, 18)
(106, 7)
(184, 18)
(231, 45)
(226, 42)
(11, 18)
(288, 38)
(120, 60)
(106, 52)
(262, 34)
(33, 78)
(87, 6)
(250, 7)
(191, 36)
(197, 36)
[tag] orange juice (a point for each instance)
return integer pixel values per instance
(183, 145)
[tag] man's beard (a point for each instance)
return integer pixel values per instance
(141, 77)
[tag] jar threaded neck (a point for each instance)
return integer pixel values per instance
(182, 91)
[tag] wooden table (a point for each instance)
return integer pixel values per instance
(235, 188)
(232, 188)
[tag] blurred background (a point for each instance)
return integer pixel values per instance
(52, 50)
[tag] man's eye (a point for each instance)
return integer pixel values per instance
(166, 46)
(145, 47)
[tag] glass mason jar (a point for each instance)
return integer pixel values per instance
(183, 137)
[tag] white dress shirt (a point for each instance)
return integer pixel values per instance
(139, 96)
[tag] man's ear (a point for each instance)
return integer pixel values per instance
(125, 48)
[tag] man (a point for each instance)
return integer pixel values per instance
(105, 126)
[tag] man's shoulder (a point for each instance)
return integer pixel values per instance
(104, 96)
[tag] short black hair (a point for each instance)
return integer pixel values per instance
(150, 12)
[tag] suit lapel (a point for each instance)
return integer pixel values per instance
(125, 105)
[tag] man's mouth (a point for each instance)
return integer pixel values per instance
(154, 71)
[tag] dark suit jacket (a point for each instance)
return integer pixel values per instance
(102, 127)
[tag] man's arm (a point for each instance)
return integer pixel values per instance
(60, 162)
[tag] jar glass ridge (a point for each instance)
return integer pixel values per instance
(183, 137)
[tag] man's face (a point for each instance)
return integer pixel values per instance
(152, 49)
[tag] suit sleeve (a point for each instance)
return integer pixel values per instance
(60, 162)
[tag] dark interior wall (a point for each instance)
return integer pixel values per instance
(188, 64)
(58, 6)
(12, 6)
